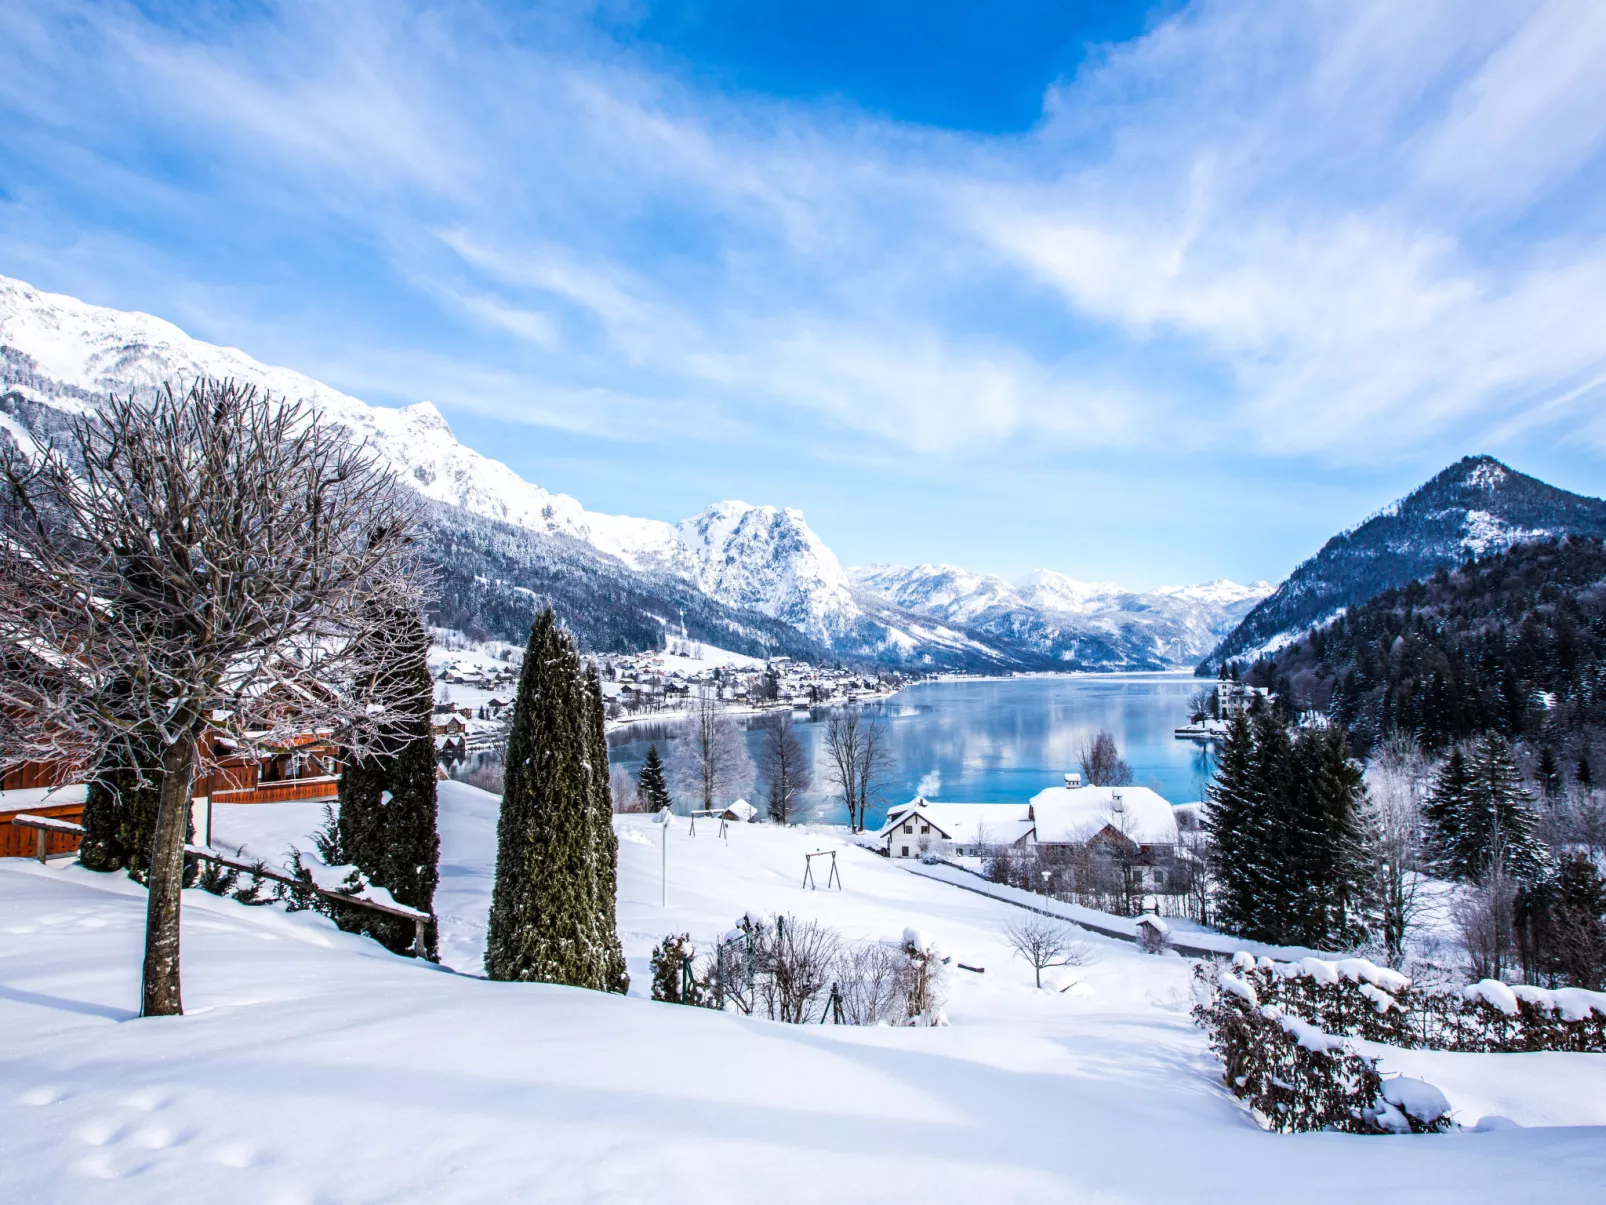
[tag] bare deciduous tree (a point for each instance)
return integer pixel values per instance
(1044, 942)
(212, 556)
(858, 759)
(622, 789)
(1102, 765)
(710, 764)
(1400, 778)
(784, 768)
(1484, 913)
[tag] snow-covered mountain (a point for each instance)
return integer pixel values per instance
(1065, 620)
(735, 569)
(1475, 507)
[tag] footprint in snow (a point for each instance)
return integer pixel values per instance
(238, 1153)
(146, 1100)
(45, 1094)
(100, 1131)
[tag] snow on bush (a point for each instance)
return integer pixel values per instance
(1356, 998)
(1294, 1075)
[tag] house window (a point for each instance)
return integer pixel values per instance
(908, 827)
(924, 829)
(905, 853)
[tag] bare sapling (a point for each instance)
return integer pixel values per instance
(1045, 943)
(194, 574)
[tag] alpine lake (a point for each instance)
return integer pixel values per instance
(988, 740)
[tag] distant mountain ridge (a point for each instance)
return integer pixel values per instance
(1071, 622)
(751, 578)
(1476, 506)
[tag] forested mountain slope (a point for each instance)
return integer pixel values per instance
(1475, 507)
(1513, 642)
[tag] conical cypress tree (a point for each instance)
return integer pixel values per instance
(388, 807)
(610, 954)
(652, 784)
(547, 919)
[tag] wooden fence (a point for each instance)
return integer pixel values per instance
(46, 827)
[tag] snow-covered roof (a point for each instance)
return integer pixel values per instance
(741, 810)
(1071, 815)
(965, 823)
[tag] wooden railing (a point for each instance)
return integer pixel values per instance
(47, 824)
(287, 790)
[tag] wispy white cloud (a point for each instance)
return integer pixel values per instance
(1342, 230)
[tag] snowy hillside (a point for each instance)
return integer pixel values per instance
(1062, 618)
(1475, 507)
(314, 1066)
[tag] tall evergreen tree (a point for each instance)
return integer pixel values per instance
(1231, 818)
(552, 906)
(388, 809)
(610, 955)
(1484, 809)
(1549, 772)
(1445, 807)
(652, 784)
(1285, 821)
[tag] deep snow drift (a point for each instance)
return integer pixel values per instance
(313, 1066)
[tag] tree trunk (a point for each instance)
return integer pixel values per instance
(161, 996)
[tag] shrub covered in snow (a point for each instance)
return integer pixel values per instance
(1355, 998)
(1293, 1075)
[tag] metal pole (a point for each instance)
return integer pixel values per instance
(663, 900)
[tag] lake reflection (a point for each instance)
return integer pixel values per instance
(995, 741)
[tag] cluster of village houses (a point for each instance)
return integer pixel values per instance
(653, 683)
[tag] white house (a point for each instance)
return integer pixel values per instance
(960, 829)
(1078, 815)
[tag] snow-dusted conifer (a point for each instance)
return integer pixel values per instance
(652, 784)
(1480, 807)
(547, 921)
(387, 822)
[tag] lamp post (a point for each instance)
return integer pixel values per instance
(663, 820)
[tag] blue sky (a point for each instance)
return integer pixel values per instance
(1154, 293)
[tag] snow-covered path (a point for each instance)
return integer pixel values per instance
(314, 1067)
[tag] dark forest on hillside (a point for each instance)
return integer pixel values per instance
(1514, 643)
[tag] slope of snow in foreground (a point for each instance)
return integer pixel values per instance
(314, 1067)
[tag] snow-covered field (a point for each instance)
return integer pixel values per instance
(314, 1067)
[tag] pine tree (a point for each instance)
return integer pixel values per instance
(1287, 835)
(556, 852)
(1549, 773)
(652, 784)
(1480, 807)
(1444, 810)
(1230, 819)
(388, 808)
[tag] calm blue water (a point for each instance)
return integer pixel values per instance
(1003, 741)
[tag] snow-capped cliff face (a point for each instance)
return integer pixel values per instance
(768, 559)
(1061, 618)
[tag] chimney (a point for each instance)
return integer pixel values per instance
(1073, 782)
